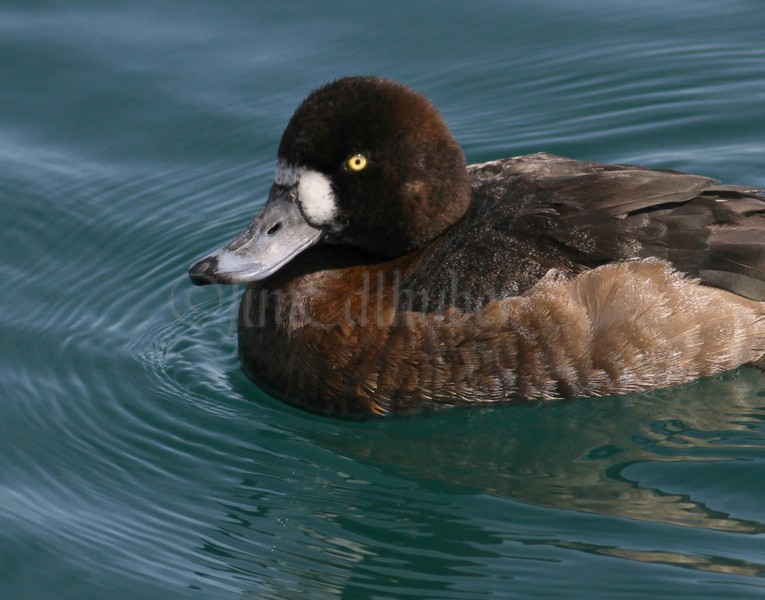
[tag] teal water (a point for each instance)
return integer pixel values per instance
(136, 460)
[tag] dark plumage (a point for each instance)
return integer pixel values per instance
(388, 276)
(547, 211)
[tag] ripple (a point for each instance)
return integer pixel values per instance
(136, 457)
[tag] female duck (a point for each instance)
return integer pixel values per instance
(386, 275)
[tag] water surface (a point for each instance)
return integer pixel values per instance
(136, 461)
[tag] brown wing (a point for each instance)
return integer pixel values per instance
(536, 212)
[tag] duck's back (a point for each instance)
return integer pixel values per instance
(533, 213)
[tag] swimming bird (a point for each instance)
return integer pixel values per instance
(385, 275)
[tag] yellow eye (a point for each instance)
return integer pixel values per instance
(356, 162)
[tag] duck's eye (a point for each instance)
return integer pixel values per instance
(356, 162)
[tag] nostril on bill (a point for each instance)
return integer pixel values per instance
(273, 229)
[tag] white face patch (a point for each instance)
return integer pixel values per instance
(316, 197)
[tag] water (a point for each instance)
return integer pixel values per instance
(136, 461)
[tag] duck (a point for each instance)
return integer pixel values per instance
(385, 275)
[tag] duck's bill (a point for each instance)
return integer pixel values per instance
(273, 238)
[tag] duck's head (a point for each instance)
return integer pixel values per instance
(365, 162)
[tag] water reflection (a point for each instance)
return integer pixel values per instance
(679, 559)
(343, 538)
(599, 455)
(437, 503)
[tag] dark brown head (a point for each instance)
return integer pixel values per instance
(365, 162)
